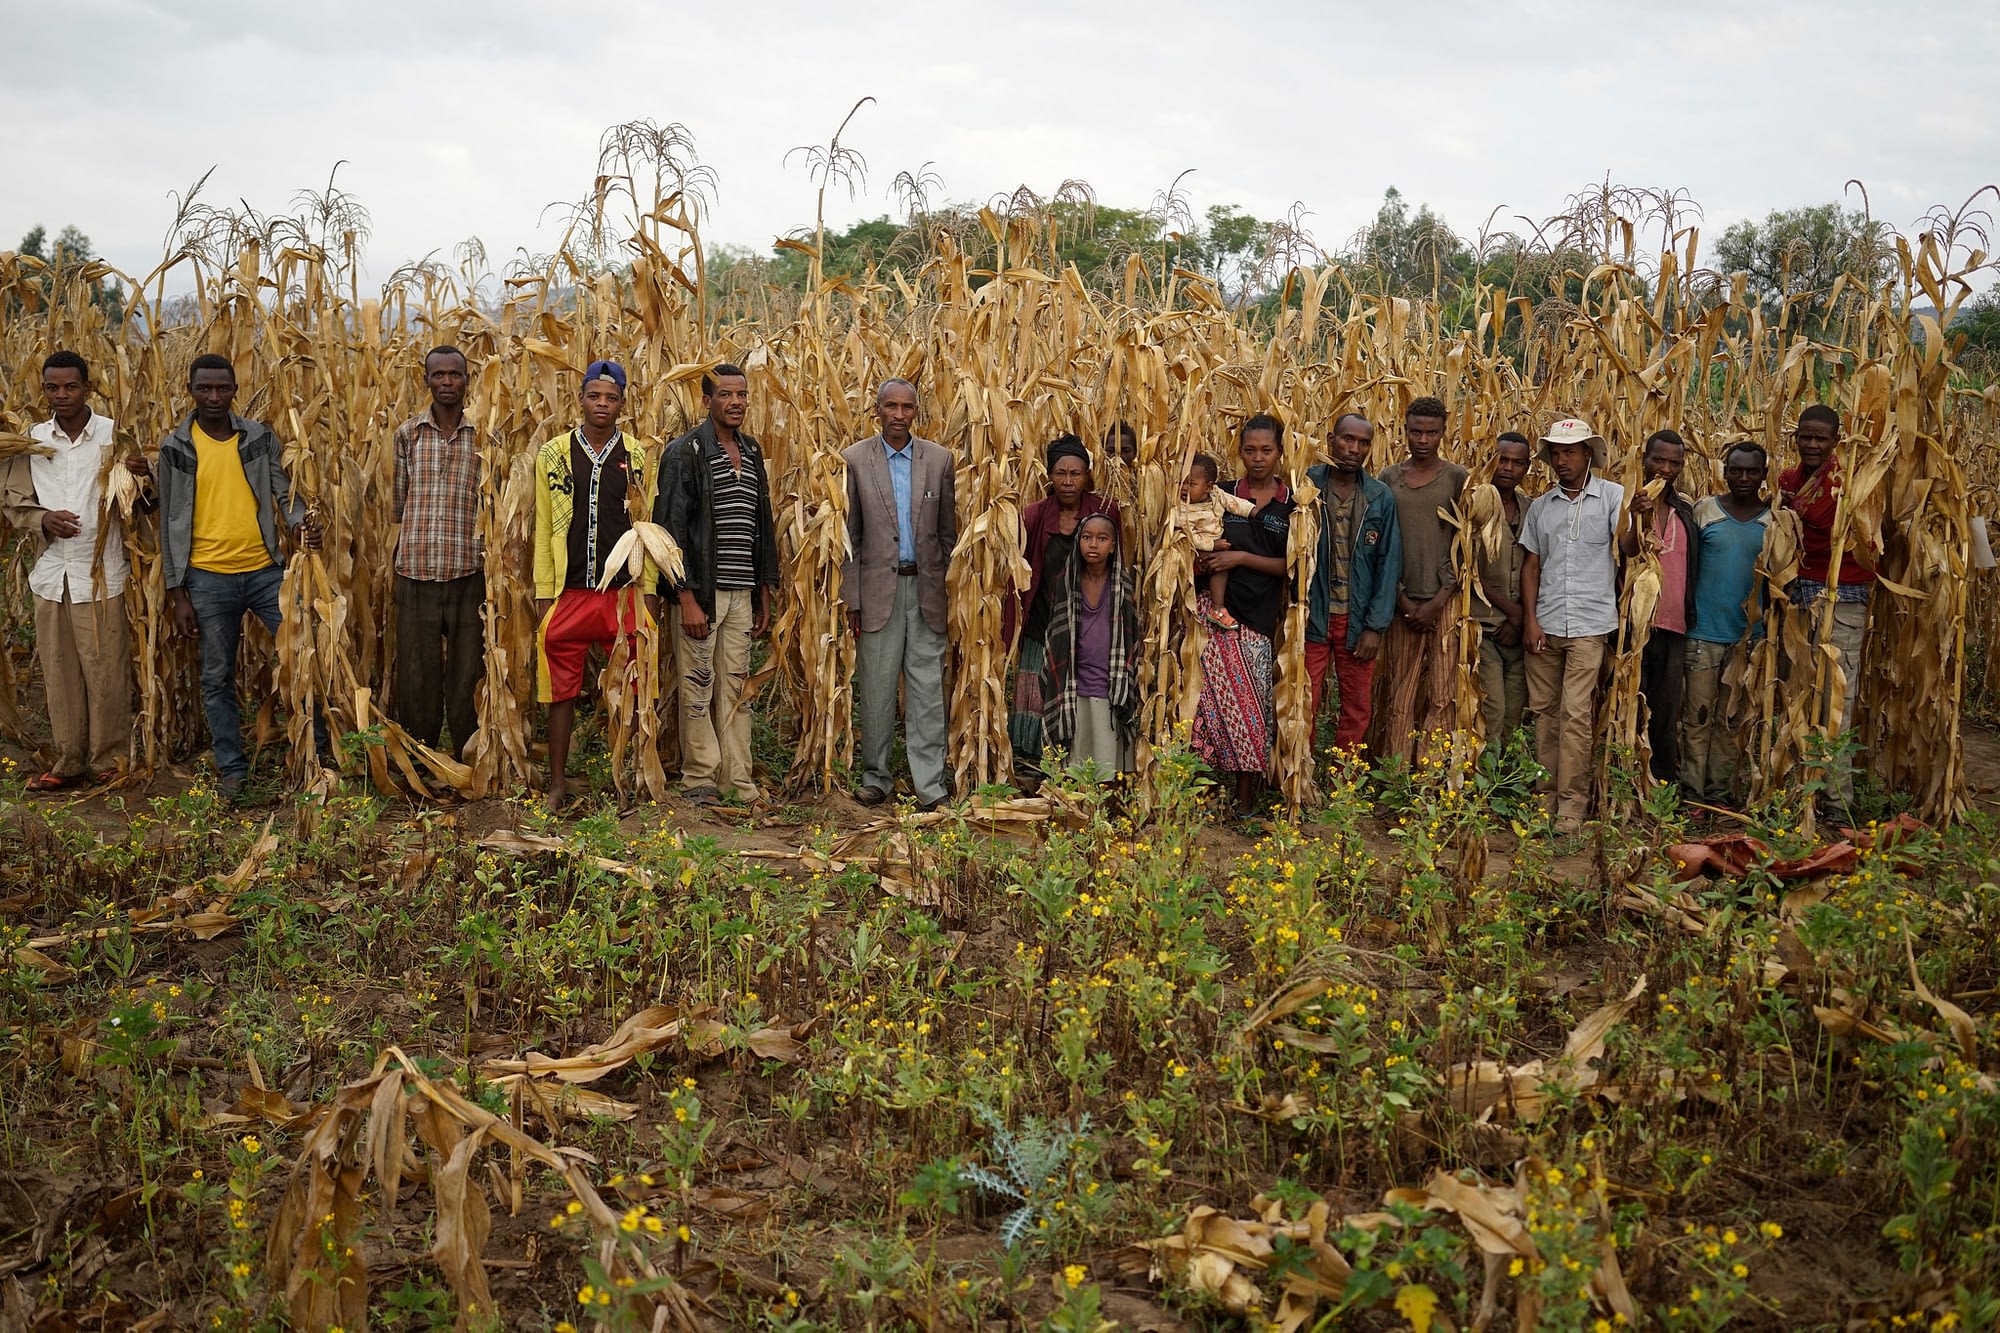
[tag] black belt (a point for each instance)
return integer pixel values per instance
(907, 570)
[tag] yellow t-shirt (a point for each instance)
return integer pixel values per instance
(227, 539)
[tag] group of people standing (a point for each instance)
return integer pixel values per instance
(1386, 590)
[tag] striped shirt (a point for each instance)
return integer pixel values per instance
(735, 507)
(437, 500)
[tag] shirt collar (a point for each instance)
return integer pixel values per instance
(1595, 484)
(89, 427)
(426, 417)
(904, 452)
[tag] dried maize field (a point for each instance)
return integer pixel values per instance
(402, 1051)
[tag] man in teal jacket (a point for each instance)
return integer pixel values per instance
(1354, 585)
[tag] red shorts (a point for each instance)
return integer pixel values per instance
(582, 619)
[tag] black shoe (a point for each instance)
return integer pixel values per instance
(870, 796)
(938, 804)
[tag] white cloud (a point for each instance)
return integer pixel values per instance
(457, 122)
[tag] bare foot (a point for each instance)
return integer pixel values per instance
(558, 797)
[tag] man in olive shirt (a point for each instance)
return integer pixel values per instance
(1419, 667)
(1503, 673)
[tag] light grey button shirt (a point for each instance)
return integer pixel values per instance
(1576, 541)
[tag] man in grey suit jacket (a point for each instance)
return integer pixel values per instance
(902, 523)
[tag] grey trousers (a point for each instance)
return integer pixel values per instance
(909, 650)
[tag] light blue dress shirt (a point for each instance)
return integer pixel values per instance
(900, 478)
(1575, 540)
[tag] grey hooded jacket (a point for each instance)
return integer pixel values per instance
(263, 467)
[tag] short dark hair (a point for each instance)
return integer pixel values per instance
(1427, 406)
(1513, 437)
(1335, 428)
(1123, 430)
(1823, 414)
(722, 372)
(67, 360)
(445, 349)
(1207, 466)
(1748, 447)
(1262, 421)
(1672, 437)
(210, 361)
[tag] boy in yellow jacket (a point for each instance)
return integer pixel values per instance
(589, 481)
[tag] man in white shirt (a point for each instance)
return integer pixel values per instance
(1569, 596)
(56, 493)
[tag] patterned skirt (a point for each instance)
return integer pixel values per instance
(1234, 718)
(1024, 724)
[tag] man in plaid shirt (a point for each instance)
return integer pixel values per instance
(440, 564)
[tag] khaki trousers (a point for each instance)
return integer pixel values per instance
(86, 654)
(1850, 627)
(1562, 694)
(715, 717)
(1709, 754)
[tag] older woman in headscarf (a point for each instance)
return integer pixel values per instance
(1048, 529)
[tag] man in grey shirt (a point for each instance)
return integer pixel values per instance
(1569, 596)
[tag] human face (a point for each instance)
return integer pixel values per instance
(1665, 459)
(444, 376)
(66, 392)
(1352, 439)
(213, 391)
(1423, 435)
(602, 401)
(1068, 480)
(729, 401)
(1815, 440)
(1571, 462)
(1743, 475)
(1194, 486)
(1095, 542)
(1510, 464)
(1259, 452)
(896, 409)
(1128, 448)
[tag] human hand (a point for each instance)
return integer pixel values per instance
(542, 607)
(139, 466)
(694, 621)
(854, 622)
(761, 621)
(59, 523)
(185, 621)
(1538, 642)
(309, 534)
(1369, 644)
(1508, 635)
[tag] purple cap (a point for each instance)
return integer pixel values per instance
(605, 370)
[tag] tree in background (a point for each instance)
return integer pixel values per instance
(1797, 255)
(72, 249)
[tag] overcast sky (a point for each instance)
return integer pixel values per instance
(460, 120)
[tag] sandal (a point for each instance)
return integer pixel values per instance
(52, 781)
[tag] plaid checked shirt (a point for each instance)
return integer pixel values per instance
(437, 500)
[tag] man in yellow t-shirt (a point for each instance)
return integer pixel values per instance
(223, 495)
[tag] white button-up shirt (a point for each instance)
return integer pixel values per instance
(1578, 594)
(69, 479)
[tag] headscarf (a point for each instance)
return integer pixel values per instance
(1065, 446)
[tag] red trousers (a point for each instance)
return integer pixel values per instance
(1356, 679)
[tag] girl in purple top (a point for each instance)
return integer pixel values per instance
(1090, 698)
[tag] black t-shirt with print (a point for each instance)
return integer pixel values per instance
(1257, 598)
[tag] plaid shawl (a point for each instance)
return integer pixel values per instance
(1059, 666)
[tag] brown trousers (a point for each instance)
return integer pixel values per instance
(86, 654)
(1416, 681)
(440, 657)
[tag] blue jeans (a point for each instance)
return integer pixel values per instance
(219, 603)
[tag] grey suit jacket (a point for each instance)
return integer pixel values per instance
(868, 578)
